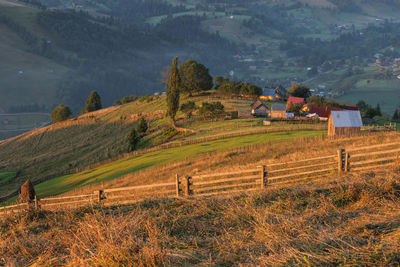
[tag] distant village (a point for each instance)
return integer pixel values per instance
(342, 119)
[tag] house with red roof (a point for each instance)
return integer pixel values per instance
(294, 100)
(323, 112)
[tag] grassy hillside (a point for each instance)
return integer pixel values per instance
(6, 176)
(155, 159)
(25, 77)
(350, 220)
(102, 135)
(18, 123)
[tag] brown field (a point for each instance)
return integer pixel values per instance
(349, 221)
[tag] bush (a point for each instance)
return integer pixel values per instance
(168, 133)
(128, 99)
(211, 110)
(188, 108)
(60, 113)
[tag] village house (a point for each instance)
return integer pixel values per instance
(292, 100)
(278, 111)
(271, 94)
(322, 112)
(344, 123)
(259, 109)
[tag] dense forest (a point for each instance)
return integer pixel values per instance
(118, 58)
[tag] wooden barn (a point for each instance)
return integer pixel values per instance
(344, 123)
(259, 109)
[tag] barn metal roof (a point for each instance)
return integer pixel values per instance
(278, 107)
(269, 91)
(346, 118)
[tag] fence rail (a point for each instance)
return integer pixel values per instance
(358, 159)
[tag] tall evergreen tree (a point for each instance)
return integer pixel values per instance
(395, 115)
(173, 86)
(133, 139)
(93, 103)
(142, 126)
(378, 110)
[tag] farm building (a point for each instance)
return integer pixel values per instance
(344, 123)
(278, 111)
(259, 109)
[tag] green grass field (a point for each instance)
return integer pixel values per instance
(24, 76)
(386, 93)
(134, 164)
(6, 176)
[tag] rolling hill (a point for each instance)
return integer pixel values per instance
(47, 63)
(97, 139)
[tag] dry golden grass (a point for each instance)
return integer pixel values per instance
(353, 220)
(243, 158)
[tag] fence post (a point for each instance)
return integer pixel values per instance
(341, 160)
(347, 167)
(36, 203)
(178, 186)
(99, 195)
(264, 177)
(188, 190)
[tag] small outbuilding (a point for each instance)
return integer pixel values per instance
(344, 123)
(259, 109)
(278, 111)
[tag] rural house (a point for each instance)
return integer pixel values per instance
(294, 100)
(259, 109)
(344, 123)
(323, 112)
(278, 111)
(272, 94)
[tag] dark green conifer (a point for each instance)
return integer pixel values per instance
(173, 87)
(93, 103)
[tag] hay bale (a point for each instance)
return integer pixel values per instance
(27, 193)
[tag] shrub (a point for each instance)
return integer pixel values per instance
(212, 110)
(60, 113)
(188, 108)
(128, 99)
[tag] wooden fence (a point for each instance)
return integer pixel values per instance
(358, 159)
(381, 128)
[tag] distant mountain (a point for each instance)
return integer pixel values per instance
(57, 51)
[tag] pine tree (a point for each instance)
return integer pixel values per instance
(142, 126)
(396, 115)
(173, 86)
(93, 103)
(133, 139)
(378, 110)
